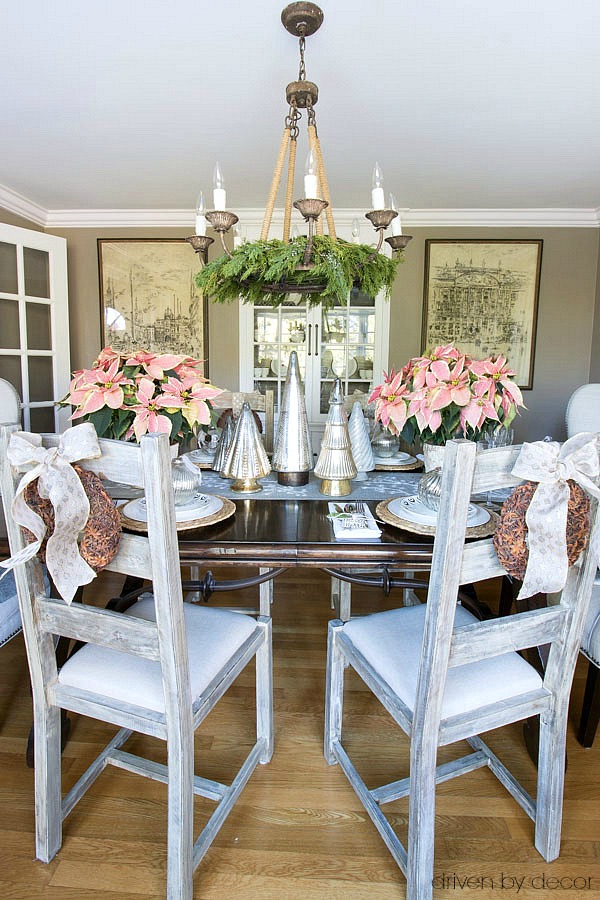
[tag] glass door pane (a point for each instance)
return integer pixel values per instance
(348, 348)
(276, 333)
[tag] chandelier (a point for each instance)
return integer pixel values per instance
(318, 264)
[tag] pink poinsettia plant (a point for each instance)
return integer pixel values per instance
(128, 395)
(446, 394)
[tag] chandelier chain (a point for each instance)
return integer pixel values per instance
(292, 119)
(302, 69)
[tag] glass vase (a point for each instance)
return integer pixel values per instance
(384, 443)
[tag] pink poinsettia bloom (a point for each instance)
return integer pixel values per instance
(420, 407)
(448, 384)
(476, 412)
(494, 372)
(392, 411)
(106, 358)
(154, 365)
(106, 389)
(190, 396)
(148, 418)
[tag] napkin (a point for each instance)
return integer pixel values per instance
(350, 524)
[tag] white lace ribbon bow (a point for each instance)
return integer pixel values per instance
(59, 483)
(552, 464)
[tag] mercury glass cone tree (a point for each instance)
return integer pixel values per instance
(292, 455)
(223, 445)
(246, 458)
(360, 442)
(335, 465)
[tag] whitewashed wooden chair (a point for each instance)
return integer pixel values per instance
(158, 670)
(444, 676)
(583, 414)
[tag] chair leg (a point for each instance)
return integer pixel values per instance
(264, 693)
(590, 711)
(48, 795)
(550, 782)
(421, 821)
(180, 837)
(334, 692)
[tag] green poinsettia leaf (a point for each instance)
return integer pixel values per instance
(101, 420)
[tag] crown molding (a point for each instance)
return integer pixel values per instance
(411, 218)
(503, 218)
(21, 206)
(252, 218)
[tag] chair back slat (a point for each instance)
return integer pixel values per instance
(99, 626)
(133, 556)
(120, 461)
(494, 469)
(479, 562)
(495, 636)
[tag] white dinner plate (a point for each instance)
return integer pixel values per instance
(343, 371)
(201, 506)
(278, 368)
(413, 510)
(398, 459)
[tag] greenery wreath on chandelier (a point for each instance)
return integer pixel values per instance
(266, 272)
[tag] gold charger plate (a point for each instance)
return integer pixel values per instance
(475, 531)
(225, 512)
(406, 467)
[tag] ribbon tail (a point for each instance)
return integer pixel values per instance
(67, 568)
(546, 517)
(22, 556)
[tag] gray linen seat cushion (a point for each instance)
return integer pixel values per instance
(213, 635)
(10, 617)
(391, 642)
(590, 642)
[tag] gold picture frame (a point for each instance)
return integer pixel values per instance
(482, 296)
(148, 298)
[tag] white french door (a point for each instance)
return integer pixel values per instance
(34, 324)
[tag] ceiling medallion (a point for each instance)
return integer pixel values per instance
(322, 266)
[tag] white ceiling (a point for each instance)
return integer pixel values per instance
(471, 104)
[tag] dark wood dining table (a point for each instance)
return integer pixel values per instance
(274, 535)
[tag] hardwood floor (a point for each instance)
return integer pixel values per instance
(298, 830)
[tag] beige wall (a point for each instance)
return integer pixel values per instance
(595, 363)
(568, 334)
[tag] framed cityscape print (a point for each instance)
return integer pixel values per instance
(148, 297)
(482, 296)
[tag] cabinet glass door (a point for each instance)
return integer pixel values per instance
(276, 333)
(347, 349)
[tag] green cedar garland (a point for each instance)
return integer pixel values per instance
(338, 265)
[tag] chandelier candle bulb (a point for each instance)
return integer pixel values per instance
(377, 193)
(311, 187)
(355, 231)
(396, 223)
(200, 217)
(219, 193)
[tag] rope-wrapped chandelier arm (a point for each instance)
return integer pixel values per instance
(316, 148)
(270, 206)
(292, 121)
